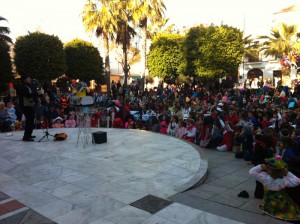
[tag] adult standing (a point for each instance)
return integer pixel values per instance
(27, 100)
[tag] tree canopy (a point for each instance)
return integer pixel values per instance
(213, 52)
(118, 21)
(84, 61)
(207, 52)
(40, 56)
(6, 74)
(4, 31)
(165, 56)
(283, 40)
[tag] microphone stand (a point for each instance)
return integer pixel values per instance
(45, 127)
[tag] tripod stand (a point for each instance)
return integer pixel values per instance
(46, 133)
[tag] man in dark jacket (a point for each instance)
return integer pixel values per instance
(27, 101)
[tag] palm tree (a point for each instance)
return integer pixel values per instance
(98, 17)
(251, 49)
(124, 37)
(123, 10)
(148, 14)
(4, 31)
(283, 40)
(6, 74)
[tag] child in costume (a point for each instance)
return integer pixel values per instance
(275, 178)
(190, 131)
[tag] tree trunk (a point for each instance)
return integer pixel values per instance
(126, 67)
(107, 65)
(144, 54)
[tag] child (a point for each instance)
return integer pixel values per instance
(58, 123)
(247, 144)
(262, 150)
(71, 122)
(190, 131)
(130, 124)
(226, 144)
(205, 133)
(216, 136)
(95, 115)
(173, 126)
(117, 123)
(102, 118)
(265, 122)
(237, 140)
(275, 178)
(181, 129)
(290, 148)
(164, 125)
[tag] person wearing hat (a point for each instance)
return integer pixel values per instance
(276, 178)
(58, 123)
(27, 100)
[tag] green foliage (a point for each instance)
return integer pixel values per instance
(6, 75)
(213, 51)
(165, 56)
(251, 49)
(283, 39)
(4, 31)
(191, 47)
(84, 61)
(40, 56)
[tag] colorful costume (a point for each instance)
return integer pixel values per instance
(190, 133)
(276, 202)
(163, 127)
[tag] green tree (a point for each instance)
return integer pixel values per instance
(148, 15)
(283, 40)
(134, 55)
(251, 48)
(123, 10)
(165, 56)
(40, 56)
(191, 45)
(98, 17)
(83, 60)
(213, 52)
(123, 38)
(4, 31)
(6, 74)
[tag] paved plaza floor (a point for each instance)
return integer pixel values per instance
(136, 177)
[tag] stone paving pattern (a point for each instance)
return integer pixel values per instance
(57, 182)
(226, 178)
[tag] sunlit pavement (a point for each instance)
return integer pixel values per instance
(136, 177)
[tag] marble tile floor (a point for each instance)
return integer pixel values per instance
(226, 178)
(63, 182)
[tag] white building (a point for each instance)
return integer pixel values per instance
(268, 67)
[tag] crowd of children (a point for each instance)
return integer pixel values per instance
(255, 125)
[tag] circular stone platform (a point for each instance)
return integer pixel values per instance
(131, 165)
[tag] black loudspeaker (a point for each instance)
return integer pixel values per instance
(99, 137)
